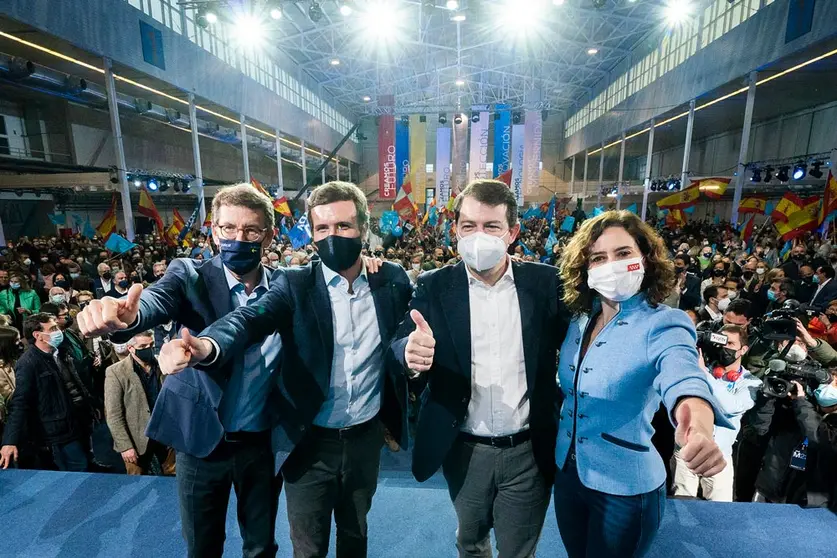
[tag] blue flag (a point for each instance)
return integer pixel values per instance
(119, 244)
(598, 211)
(632, 208)
(57, 219)
(550, 242)
(567, 225)
(433, 218)
(526, 251)
(688, 210)
(88, 231)
(768, 207)
(533, 211)
(550, 211)
(447, 233)
(717, 219)
(785, 249)
(190, 223)
(283, 230)
(300, 235)
(522, 227)
(78, 222)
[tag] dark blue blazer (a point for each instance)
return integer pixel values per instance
(442, 298)
(299, 308)
(194, 294)
(825, 296)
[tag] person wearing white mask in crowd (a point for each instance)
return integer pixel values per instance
(716, 301)
(57, 295)
(624, 353)
(415, 267)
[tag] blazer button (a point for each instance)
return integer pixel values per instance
(453, 424)
(578, 341)
(464, 399)
(569, 434)
(302, 428)
(586, 370)
(572, 367)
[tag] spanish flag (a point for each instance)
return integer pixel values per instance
(675, 218)
(680, 200)
(281, 206)
(788, 205)
(505, 178)
(754, 204)
(747, 229)
(147, 208)
(829, 201)
(258, 186)
(713, 187)
(108, 224)
(800, 221)
(174, 229)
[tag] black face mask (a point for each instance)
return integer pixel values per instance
(68, 321)
(107, 275)
(747, 274)
(339, 253)
(718, 272)
(123, 284)
(679, 269)
(241, 257)
(727, 356)
(63, 284)
(146, 355)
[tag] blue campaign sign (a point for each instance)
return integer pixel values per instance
(152, 45)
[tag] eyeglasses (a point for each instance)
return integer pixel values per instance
(251, 234)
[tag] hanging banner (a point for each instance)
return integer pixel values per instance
(442, 167)
(402, 152)
(418, 157)
(532, 134)
(502, 140)
(459, 176)
(517, 159)
(479, 149)
(387, 181)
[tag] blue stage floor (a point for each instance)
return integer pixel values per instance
(45, 514)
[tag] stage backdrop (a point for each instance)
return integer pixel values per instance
(418, 158)
(442, 166)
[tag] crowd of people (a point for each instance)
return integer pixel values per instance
(740, 297)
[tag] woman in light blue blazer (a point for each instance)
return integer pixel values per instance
(624, 353)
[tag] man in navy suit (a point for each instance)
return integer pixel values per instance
(484, 335)
(826, 287)
(340, 384)
(218, 423)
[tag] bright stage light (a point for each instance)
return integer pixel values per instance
(248, 31)
(366, 98)
(677, 11)
(276, 13)
(592, 51)
(152, 185)
(383, 19)
(800, 170)
(345, 9)
(137, 183)
(558, 2)
(521, 17)
(459, 82)
(458, 17)
(452, 5)
(334, 61)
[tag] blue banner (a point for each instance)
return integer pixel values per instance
(152, 45)
(402, 153)
(800, 19)
(118, 244)
(58, 219)
(300, 234)
(502, 140)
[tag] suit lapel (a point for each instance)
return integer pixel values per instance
(456, 306)
(529, 320)
(321, 303)
(381, 294)
(216, 283)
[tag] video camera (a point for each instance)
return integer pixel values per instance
(780, 324)
(777, 382)
(709, 341)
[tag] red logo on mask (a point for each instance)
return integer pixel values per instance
(633, 267)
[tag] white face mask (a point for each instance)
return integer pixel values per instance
(416, 267)
(481, 251)
(760, 271)
(733, 295)
(617, 281)
(796, 354)
(723, 304)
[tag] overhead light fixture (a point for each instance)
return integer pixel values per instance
(443, 118)
(366, 98)
(383, 19)
(475, 116)
(516, 118)
(800, 170)
(458, 119)
(452, 5)
(815, 169)
(206, 16)
(187, 185)
(137, 183)
(676, 12)
(782, 175)
(275, 10)
(558, 2)
(153, 185)
(458, 17)
(768, 174)
(248, 32)
(165, 185)
(405, 120)
(459, 82)
(756, 177)
(345, 9)
(315, 12)
(592, 50)
(334, 61)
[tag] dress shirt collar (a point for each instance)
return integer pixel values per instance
(508, 275)
(234, 283)
(333, 278)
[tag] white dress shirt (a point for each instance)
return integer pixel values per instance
(499, 397)
(820, 288)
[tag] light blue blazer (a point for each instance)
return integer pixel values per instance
(642, 356)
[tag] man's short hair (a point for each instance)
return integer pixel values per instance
(828, 271)
(337, 191)
(147, 333)
(741, 307)
(711, 292)
(489, 192)
(35, 323)
(786, 286)
(741, 331)
(244, 195)
(84, 293)
(53, 308)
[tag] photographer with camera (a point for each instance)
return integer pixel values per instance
(736, 390)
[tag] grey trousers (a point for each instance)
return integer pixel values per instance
(500, 488)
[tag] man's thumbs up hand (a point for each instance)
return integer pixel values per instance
(420, 344)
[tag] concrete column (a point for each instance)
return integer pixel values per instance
(121, 166)
(196, 155)
(619, 189)
(745, 147)
(281, 178)
(245, 157)
(322, 160)
(349, 169)
(304, 164)
(337, 166)
(687, 146)
(648, 169)
(586, 160)
(601, 176)
(572, 177)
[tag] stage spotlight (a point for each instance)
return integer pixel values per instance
(516, 118)
(475, 117)
(205, 17)
(782, 175)
(452, 5)
(592, 50)
(458, 17)
(457, 119)
(137, 183)
(768, 174)
(315, 12)
(153, 185)
(443, 119)
(756, 176)
(248, 32)
(345, 9)
(276, 11)
(334, 61)
(459, 82)
(676, 12)
(405, 120)
(187, 185)
(383, 20)
(366, 98)
(800, 170)
(165, 185)
(815, 169)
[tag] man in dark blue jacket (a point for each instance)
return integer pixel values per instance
(340, 384)
(218, 423)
